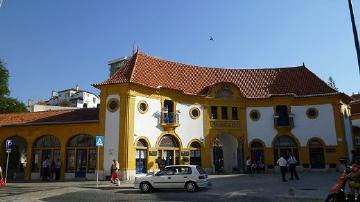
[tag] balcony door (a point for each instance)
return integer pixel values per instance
(168, 111)
(283, 115)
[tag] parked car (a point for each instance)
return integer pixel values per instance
(190, 177)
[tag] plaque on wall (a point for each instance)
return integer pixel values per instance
(153, 153)
(185, 153)
(330, 149)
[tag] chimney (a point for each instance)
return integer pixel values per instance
(77, 87)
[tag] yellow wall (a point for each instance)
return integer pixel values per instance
(31, 133)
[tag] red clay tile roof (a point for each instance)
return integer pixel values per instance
(50, 117)
(253, 83)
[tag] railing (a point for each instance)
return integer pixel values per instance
(224, 123)
(169, 118)
(284, 122)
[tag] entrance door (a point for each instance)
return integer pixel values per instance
(141, 161)
(218, 158)
(169, 157)
(317, 158)
(81, 161)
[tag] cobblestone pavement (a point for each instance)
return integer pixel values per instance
(311, 187)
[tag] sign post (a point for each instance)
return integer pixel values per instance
(99, 143)
(9, 145)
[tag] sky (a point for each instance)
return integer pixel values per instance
(58, 44)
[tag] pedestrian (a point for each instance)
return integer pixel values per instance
(45, 168)
(113, 171)
(292, 166)
(57, 169)
(161, 163)
(283, 167)
(52, 170)
(248, 165)
(1, 175)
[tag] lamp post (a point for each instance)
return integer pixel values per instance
(356, 39)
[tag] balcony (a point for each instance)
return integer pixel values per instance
(284, 122)
(234, 124)
(169, 120)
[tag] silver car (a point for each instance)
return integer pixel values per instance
(189, 177)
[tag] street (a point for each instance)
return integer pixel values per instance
(312, 186)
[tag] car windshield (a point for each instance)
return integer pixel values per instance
(200, 170)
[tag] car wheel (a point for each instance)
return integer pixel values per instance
(145, 187)
(190, 186)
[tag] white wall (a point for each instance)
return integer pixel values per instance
(322, 127)
(112, 132)
(348, 129)
(147, 124)
(263, 128)
(189, 128)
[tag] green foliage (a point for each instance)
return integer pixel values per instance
(8, 105)
(4, 79)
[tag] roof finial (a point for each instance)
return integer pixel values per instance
(303, 64)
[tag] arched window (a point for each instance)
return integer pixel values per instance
(45, 147)
(195, 153)
(284, 144)
(257, 153)
(141, 156)
(169, 150)
(316, 153)
(81, 155)
(168, 141)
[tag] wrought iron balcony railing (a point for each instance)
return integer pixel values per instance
(284, 122)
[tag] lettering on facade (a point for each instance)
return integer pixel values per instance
(153, 153)
(225, 124)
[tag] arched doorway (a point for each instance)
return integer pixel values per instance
(257, 153)
(81, 155)
(195, 153)
(45, 147)
(226, 153)
(17, 158)
(141, 156)
(316, 152)
(284, 144)
(169, 150)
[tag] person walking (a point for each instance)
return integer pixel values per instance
(113, 171)
(45, 168)
(292, 166)
(248, 165)
(57, 169)
(283, 167)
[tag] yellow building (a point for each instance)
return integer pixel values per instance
(183, 114)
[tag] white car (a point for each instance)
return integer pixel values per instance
(190, 177)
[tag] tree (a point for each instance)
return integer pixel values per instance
(4, 79)
(8, 104)
(331, 83)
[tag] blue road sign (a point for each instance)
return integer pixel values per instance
(9, 145)
(99, 141)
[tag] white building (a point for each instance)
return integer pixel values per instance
(74, 97)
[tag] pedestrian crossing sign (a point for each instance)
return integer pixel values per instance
(99, 141)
